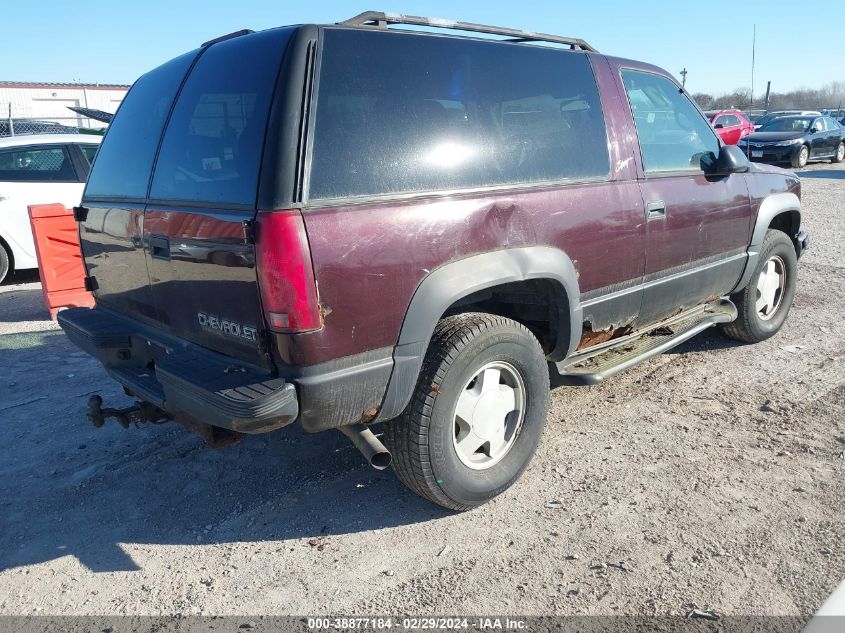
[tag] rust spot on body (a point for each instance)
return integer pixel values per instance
(590, 337)
(368, 416)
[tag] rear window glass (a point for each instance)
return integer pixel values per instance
(89, 151)
(36, 164)
(127, 152)
(212, 147)
(403, 113)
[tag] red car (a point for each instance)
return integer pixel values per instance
(730, 125)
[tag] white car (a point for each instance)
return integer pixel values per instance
(37, 169)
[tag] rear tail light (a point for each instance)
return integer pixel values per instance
(285, 273)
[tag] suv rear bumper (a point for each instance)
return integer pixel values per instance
(180, 378)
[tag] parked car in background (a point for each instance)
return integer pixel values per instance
(771, 116)
(730, 125)
(21, 127)
(37, 169)
(834, 113)
(797, 140)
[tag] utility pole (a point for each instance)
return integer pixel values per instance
(768, 92)
(753, 56)
(684, 78)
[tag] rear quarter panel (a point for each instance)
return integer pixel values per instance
(370, 259)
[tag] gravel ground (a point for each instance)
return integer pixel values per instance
(678, 489)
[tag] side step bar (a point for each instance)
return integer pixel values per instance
(593, 366)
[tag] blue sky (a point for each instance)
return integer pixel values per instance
(115, 41)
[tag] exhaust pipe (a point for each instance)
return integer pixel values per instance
(370, 446)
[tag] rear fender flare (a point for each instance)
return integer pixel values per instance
(458, 279)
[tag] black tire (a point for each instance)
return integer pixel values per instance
(839, 154)
(801, 158)
(4, 263)
(421, 439)
(750, 326)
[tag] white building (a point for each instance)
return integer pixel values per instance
(50, 101)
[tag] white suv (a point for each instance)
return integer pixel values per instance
(37, 169)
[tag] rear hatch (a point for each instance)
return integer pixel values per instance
(172, 196)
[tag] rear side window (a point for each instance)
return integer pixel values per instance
(400, 113)
(127, 152)
(211, 151)
(36, 164)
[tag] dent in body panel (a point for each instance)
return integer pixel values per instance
(378, 254)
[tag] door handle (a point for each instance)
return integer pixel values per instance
(159, 247)
(655, 209)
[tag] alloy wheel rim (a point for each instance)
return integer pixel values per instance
(770, 286)
(840, 152)
(489, 415)
(803, 156)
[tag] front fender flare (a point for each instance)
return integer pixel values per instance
(458, 279)
(771, 207)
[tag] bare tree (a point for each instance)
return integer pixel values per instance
(831, 95)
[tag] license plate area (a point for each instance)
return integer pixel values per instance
(757, 153)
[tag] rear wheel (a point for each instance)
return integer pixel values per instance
(801, 157)
(477, 414)
(764, 303)
(839, 155)
(4, 263)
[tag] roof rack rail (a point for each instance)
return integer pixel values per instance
(228, 36)
(379, 19)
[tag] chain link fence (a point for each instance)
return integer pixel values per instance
(54, 125)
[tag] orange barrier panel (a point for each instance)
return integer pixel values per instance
(59, 257)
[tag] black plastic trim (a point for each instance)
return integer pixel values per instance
(280, 167)
(181, 378)
(458, 279)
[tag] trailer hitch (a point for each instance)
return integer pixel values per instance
(137, 414)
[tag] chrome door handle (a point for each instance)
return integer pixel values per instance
(655, 209)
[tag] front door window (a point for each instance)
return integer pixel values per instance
(673, 134)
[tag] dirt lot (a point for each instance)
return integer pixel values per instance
(676, 468)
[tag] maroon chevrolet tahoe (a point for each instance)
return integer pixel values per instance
(351, 225)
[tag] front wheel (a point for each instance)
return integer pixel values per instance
(764, 303)
(477, 413)
(839, 155)
(801, 157)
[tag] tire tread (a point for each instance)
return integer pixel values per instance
(741, 329)
(407, 435)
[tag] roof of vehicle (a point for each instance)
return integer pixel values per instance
(714, 113)
(797, 112)
(380, 20)
(52, 139)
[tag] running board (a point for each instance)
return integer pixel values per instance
(593, 366)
